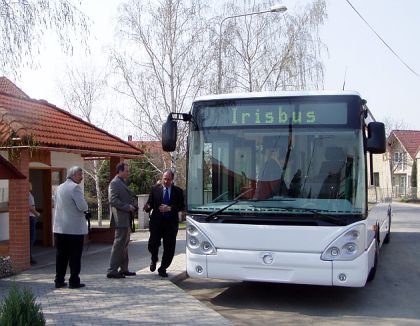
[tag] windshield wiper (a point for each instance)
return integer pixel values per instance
(219, 197)
(235, 200)
(317, 214)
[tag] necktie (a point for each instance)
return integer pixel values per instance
(166, 197)
(166, 202)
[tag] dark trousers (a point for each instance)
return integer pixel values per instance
(165, 229)
(32, 232)
(69, 252)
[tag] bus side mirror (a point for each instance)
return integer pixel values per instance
(169, 135)
(376, 141)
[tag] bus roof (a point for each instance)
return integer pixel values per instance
(272, 94)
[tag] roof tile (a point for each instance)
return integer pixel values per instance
(410, 139)
(7, 87)
(54, 127)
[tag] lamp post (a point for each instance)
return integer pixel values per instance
(275, 8)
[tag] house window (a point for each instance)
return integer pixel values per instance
(402, 183)
(400, 160)
(376, 179)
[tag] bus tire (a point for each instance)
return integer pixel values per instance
(388, 235)
(372, 271)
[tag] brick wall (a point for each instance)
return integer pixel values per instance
(19, 213)
(4, 248)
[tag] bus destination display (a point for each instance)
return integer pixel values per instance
(259, 115)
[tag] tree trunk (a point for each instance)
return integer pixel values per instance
(98, 191)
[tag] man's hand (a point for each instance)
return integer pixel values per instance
(146, 207)
(164, 208)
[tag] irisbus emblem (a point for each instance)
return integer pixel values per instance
(267, 258)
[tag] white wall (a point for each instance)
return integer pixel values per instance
(4, 187)
(381, 166)
(4, 191)
(66, 161)
(4, 196)
(58, 160)
(4, 226)
(418, 174)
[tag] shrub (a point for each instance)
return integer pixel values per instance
(19, 309)
(5, 267)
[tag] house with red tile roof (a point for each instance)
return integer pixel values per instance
(160, 159)
(403, 149)
(41, 141)
(153, 149)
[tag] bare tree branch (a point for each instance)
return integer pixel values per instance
(23, 24)
(176, 50)
(82, 92)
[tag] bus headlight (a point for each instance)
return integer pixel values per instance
(191, 229)
(197, 242)
(350, 248)
(193, 242)
(206, 247)
(347, 246)
(334, 251)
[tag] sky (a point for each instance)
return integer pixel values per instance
(356, 57)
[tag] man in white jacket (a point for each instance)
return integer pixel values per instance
(69, 228)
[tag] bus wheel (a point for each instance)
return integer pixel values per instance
(388, 235)
(372, 272)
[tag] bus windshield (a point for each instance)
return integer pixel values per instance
(276, 171)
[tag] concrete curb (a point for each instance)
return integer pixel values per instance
(177, 271)
(178, 278)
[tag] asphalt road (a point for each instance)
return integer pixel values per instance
(393, 298)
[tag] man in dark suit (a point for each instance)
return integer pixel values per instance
(165, 201)
(121, 208)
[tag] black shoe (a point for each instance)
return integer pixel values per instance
(162, 272)
(152, 266)
(76, 286)
(59, 285)
(115, 275)
(128, 273)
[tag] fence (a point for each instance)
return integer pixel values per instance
(93, 209)
(376, 194)
(140, 215)
(404, 192)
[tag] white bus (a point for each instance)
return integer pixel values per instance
(277, 188)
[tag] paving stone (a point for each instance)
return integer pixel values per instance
(144, 299)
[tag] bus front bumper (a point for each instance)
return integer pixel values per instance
(278, 267)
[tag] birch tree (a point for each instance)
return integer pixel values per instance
(23, 24)
(272, 51)
(165, 65)
(83, 90)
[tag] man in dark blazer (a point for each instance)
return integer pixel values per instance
(165, 201)
(121, 208)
